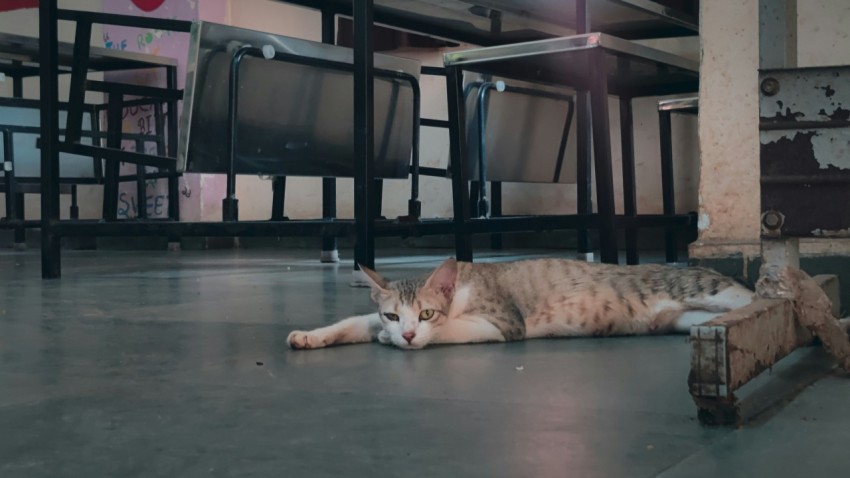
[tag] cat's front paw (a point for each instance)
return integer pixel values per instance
(300, 340)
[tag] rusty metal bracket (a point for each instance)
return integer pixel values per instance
(732, 350)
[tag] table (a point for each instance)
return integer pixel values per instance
(20, 59)
(520, 20)
(488, 22)
(595, 62)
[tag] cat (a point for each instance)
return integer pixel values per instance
(462, 302)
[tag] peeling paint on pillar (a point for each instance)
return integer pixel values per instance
(805, 151)
(813, 103)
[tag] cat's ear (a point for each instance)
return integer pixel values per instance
(443, 279)
(376, 282)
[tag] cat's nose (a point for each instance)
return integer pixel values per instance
(409, 336)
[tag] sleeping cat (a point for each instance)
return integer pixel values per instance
(462, 302)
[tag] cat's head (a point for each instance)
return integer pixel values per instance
(413, 310)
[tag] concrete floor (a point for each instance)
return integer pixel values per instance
(174, 365)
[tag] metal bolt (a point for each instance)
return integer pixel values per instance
(770, 86)
(772, 220)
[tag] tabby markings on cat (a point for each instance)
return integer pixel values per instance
(462, 302)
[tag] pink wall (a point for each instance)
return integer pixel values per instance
(140, 119)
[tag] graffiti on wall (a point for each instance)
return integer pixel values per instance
(140, 119)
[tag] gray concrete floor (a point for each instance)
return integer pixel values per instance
(174, 365)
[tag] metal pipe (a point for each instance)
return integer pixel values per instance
(345, 227)
(414, 206)
(113, 142)
(329, 246)
(584, 141)
(172, 134)
(364, 132)
(457, 160)
(483, 209)
(48, 43)
(230, 204)
(602, 158)
(627, 142)
(668, 195)
(78, 86)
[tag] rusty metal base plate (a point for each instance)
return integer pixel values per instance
(731, 351)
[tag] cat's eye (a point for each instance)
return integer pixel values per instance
(392, 317)
(426, 314)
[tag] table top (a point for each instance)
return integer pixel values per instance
(633, 69)
(521, 20)
(25, 49)
(680, 105)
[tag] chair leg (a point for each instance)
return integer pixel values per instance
(667, 187)
(602, 159)
(627, 140)
(496, 211)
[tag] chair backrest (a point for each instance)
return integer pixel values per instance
(295, 118)
(524, 129)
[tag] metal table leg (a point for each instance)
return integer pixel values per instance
(51, 266)
(627, 139)
(9, 176)
(329, 246)
(584, 177)
(364, 138)
(667, 189)
(11, 196)
(584, 201)
(457, 155)
(602, 158)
